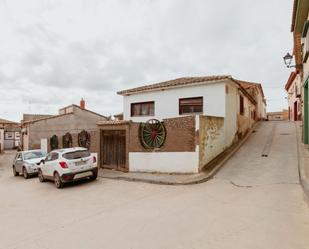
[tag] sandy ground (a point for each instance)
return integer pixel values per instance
(253, 202)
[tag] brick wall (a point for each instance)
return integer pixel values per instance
(181, 136)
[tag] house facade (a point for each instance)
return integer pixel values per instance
(1, 140)
(177, 126)
(278, 116)
(256, 91)
(299, 27)
(294, 89)
(73, 126)
(11, 136)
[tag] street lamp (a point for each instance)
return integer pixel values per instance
(288, 60)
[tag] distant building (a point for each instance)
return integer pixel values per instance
(294, 89)
(256, 91)
(278, 116)
(1, 140)
(11, 135)
(73, 126)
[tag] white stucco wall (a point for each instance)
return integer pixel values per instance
(306, 65)
(292, 97)
(230, 122)
(167, 101)
(164, 162)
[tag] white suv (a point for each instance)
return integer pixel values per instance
(66, 165)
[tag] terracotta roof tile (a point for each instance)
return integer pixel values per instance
(290, 80)
(174, 83)
(113, 122)
(4, 121)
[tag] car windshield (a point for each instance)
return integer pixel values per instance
(76, 154)
(33, 154)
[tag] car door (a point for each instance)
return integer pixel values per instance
(49, 164)
(18, 162)
(45, 165)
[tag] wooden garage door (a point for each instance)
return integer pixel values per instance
(114, 149)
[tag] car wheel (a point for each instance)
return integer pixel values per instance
(57, 180)
(25, 173)
(93, 177)
(15, 173)
(41, 177)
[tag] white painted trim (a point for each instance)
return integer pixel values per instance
(164, 162)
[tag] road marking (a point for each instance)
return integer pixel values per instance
(269, 141)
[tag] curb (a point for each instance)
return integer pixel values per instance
(304, 181)
(201, 178)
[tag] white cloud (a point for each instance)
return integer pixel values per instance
(52, 53)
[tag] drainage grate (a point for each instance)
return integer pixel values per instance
(284, 134)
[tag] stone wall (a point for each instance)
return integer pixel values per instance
(60, 125)
(212, 139)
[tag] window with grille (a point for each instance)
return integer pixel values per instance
(142, 109)
(241, 105)
(191, 105)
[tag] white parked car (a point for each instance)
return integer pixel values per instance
(27, 162)
(66, 165)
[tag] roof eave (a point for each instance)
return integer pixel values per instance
(124, 93)
(301, 15)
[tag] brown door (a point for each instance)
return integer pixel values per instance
(114, 150)
(295, 111)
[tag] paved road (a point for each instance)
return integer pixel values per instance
(253, 202)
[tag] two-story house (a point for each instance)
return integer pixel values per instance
(177, 126)
(294, 88)
(299, 27)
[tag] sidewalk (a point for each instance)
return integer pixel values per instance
(303, 154)
(176, 179)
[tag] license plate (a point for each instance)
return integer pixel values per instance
(81, 175)
(80, 163)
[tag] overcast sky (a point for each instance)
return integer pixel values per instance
(52, 53)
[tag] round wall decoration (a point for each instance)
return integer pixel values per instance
(152, 134)
(84, 139)
(54, 142)
(67, 140)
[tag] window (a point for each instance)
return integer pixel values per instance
(241, 105)
(191, 105)
(33, 154)
(305, 36)
(76, 154)
(142, 109)
(52, 157)
(9, 135)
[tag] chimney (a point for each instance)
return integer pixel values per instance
(82, 104)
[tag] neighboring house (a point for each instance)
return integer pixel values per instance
(278, 116)
(177, 126)
(11, 134)
(73, 126)
(118, 116)
(294, 88)
(299, 27)
(256, 91)
(1, 140)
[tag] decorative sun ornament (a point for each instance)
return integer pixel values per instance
(152, 134)
(67, 140)
(84, 139)
(54, 142)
